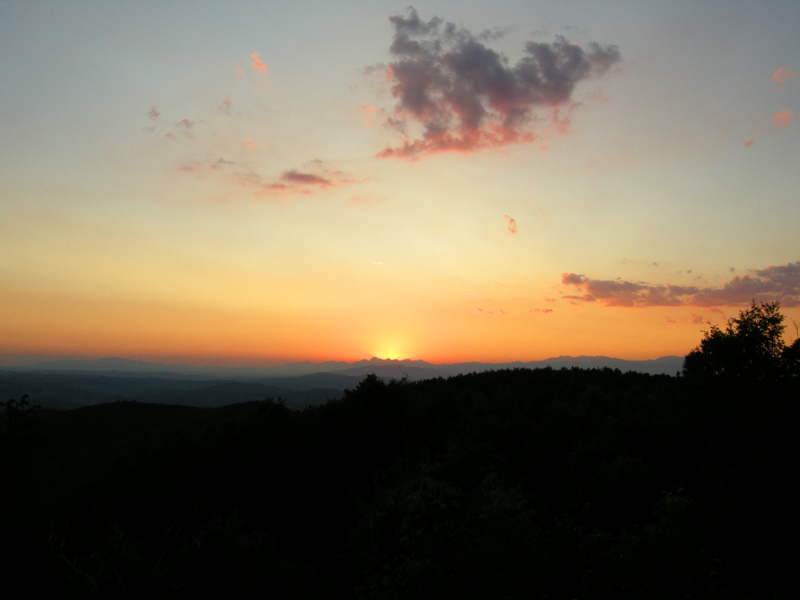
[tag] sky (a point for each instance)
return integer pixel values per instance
(267, 182)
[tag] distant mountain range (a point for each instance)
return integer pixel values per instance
(81, 382)
(414, 370)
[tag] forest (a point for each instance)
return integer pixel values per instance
(521, 483)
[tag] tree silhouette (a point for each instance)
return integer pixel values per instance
(750, 347)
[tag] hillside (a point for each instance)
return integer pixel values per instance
(569, 483)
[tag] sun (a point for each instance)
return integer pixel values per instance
(390, 350)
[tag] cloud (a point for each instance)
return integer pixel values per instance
(248, 143)
(749, 142)
(185, 123)
(153, 113)
(780, 76)
(466, 97)
(226, 105)
(240, 70)
(292, 181)
(488, 313)
(542, 310)
(512, 224)
(782, 119)
(780, 283)
(256, 63)
(296, 177)
(300, 182)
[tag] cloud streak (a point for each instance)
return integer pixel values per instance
(257, 63)
(467, 97)
(780, 283)
(512, 224)
(782, 119)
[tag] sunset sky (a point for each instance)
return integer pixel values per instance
(265, 182)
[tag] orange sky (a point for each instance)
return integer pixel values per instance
(278, 191)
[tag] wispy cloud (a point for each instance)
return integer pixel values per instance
(512, 224)
(153, 113)
(488, 313)
(292, 181)
(467, 97)
(780, 76)
(780, 283)
(226, 105)
(257, 63)
(782, 119)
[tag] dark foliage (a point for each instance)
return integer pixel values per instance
(511, 484)
(750, 349)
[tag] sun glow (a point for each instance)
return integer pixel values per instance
(390, 349)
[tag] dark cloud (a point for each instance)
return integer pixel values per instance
(466, 96)
(298, 179)
(301, 182)
(780, 283)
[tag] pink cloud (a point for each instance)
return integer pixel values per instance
(749, 142)
(512, 225)
(780, 76)
(240, 70)
(780, 283)
(185, 123)
(466, 97)
(248, 143)
(256, 63)
(782, 119)
(153, 113)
